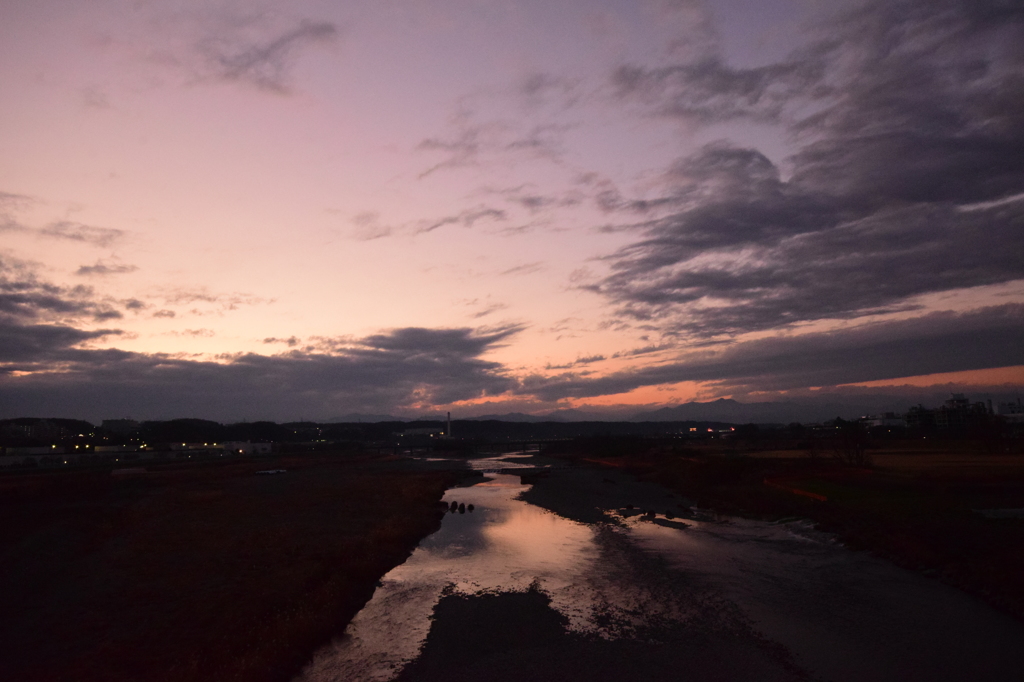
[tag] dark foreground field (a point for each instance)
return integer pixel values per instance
(203, 573)
(916, 507)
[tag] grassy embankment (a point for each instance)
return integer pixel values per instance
(914, 505)
(201, 573)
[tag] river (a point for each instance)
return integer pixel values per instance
(568, 579)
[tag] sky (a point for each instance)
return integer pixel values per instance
(248, 210)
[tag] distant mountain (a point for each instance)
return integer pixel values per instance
(567, 415)
(573, 415)
(356, 417)
(727, 410)
(804, 409)
(512, 417)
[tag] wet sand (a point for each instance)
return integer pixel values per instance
(842, 615)
(927, 511)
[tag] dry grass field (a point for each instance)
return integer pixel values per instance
(201, 573)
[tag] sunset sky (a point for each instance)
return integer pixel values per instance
(254, 210)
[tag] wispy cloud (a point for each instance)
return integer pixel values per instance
(577, 362)
(484, 132)
(488, 310)
(524, 269)
(196, 333)
(709, 91)
(251, 53)
(460, 149)
(101, 268)
(368, 226)
(12, 204)
(78, 232)
(95, 97)
(466, 218)
(529, 197)
(643, 350)
(546, 89)
(219, 302)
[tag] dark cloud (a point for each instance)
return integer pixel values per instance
(260, 60)
(26, 347)
(26, 298)
(43, 362)
(909, 121)
(929, 344)
(100, 268)
(441, 343)
(401, 369)
(846, 270)
(40, 322)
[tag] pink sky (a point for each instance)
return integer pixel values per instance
(605, 202)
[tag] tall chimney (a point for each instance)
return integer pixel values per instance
(449, 424)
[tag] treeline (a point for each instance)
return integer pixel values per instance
(32, 431)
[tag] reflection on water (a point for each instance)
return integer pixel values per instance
(505, 462)
(679, 586)
(504, 544)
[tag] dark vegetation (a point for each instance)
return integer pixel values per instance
(911, 501)
(198, 572)
(34, 431)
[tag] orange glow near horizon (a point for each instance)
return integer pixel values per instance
(999, 376)
(684, 392)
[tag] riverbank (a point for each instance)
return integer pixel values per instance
(199, 573)
(576, 572)
(923, 510)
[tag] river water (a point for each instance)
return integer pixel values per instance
(563, 580)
